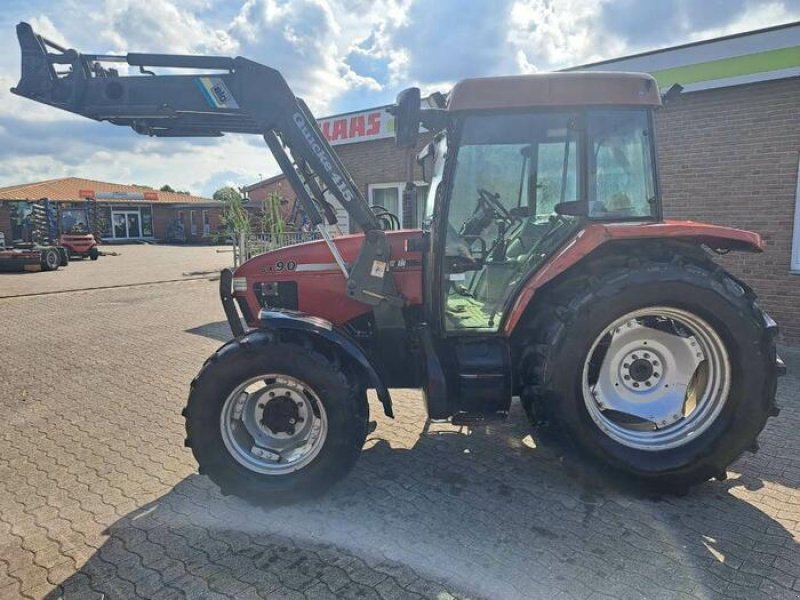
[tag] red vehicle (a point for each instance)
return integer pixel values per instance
(80, 245)
(545, 271)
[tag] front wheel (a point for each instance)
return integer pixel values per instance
(51, 259)
(661, 368)
(94, 253)
(274, 421)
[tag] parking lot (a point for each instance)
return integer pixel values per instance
(100, 499)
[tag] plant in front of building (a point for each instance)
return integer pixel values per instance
(234, 214)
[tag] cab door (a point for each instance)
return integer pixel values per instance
(499, 221)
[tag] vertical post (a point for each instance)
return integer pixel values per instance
(243, 247)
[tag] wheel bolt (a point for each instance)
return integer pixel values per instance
(635, 384)
(655, 363)
(656, 375)
(625, 365)
(272, 394)
(262, 405)
(646, 355)
(627, 377)
(634, 357)
(292, 421)
(647, 383)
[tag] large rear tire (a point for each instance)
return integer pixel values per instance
(274, 421)
(606, 343)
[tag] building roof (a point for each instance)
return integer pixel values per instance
(76, 189)
(263, 182)
(554, 89)
(749, 57)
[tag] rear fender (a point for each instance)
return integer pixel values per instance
(315, 327)
(595, 235)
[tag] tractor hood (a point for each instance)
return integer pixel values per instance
(305, 277)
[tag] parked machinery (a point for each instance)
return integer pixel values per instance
(544, 270)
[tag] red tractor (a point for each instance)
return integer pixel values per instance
(544, 270)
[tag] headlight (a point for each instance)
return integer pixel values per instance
(239, 284)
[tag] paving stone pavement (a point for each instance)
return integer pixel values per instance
(99, 498)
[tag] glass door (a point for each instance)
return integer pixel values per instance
(120, 225)
(134, 224)
(127, 224)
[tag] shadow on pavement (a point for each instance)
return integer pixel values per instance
(219, 330)
(492, 511)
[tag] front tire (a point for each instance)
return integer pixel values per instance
(51, 259)
(589, 356)
(275, 421)
(94, 253)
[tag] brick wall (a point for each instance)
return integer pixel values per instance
(730, 157)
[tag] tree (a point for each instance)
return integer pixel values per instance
(166, 188)
(234, 215)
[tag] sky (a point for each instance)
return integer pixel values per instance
(339, 56)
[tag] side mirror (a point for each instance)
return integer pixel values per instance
(407, 118)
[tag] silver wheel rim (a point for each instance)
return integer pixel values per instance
(273, 424)
(656, 378)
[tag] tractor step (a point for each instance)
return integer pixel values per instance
(465, 419)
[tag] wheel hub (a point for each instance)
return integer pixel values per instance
(273, 424)
(641, 395)
(281, 414)
(641, 370)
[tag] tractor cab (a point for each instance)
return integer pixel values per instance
(517, 167)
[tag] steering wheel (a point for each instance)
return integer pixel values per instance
(491, 202)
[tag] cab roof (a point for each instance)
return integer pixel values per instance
(576, 88)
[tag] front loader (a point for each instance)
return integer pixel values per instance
(544, 270)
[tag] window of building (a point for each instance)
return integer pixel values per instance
(796, 237)
(390, 197)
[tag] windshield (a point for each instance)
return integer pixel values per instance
(511, 173)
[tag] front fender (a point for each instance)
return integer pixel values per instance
(314, 326)
(594, 235)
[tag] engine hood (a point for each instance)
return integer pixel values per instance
(305, 277)
(315, 256)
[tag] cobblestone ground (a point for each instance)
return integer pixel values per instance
(99, 498)
(121, 264)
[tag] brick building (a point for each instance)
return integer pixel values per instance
(124, 212)
(729, 151)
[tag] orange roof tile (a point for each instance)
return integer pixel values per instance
(68, 189)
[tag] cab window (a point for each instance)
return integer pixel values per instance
(620, 180)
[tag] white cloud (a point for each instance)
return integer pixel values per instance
(338, 55)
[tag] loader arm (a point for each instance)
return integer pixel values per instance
(234, 95)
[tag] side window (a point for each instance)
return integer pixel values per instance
(385, 196)
(795, 264)
(621, 182)
(556, 177)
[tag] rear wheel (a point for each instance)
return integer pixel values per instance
(662, 367)
(274, 421)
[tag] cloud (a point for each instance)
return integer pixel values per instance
(322, 49)
(339, 55)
